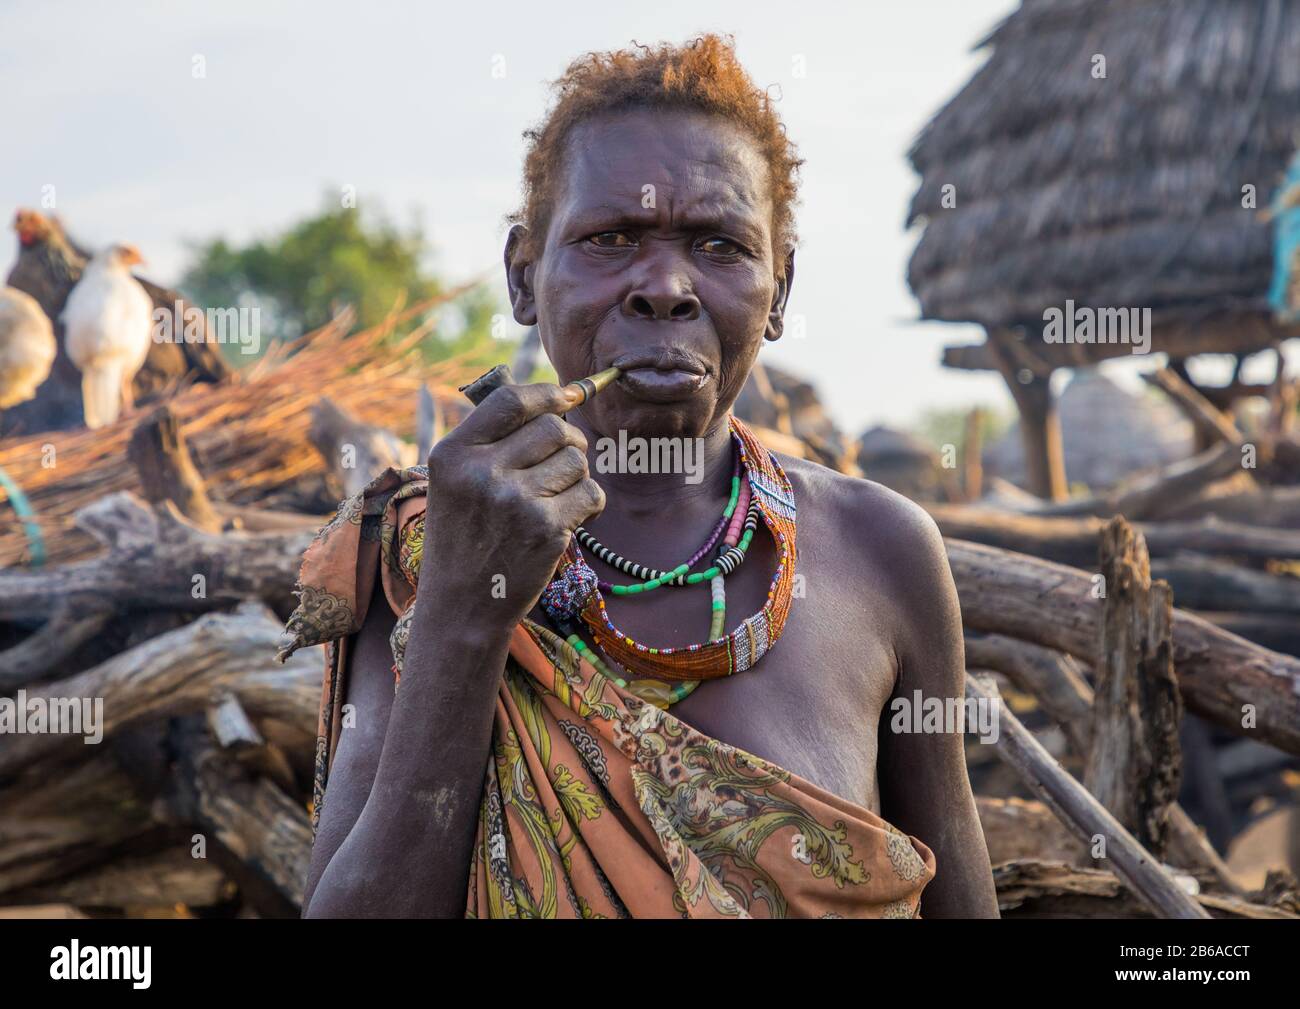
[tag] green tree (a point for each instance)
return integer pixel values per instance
(299, 278)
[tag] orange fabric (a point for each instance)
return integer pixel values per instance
(596, 803)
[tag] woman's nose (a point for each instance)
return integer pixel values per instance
(664, 297)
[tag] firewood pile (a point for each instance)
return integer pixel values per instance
(1141, 701)
(169, 544)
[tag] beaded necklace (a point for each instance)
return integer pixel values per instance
(762, 492)
(678, 575)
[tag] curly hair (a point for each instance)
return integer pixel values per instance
(701, 74)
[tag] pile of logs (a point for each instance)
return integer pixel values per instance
(172, 579)
(1217, 535)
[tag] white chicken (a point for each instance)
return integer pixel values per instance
(108, 320)
(27, 346)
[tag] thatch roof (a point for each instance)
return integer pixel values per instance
(1107, 434)
(1123, 191)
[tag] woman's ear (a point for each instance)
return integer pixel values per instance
(776, 315)
(519, 277)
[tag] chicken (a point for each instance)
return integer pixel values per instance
(170, 361)
(27, 346)
(48, 267)
(108, 323)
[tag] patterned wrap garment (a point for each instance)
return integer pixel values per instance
(596, 803)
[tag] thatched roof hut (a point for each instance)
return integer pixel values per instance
(1125, 190)
(1100, 157)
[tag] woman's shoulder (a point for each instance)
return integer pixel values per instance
(377, 533)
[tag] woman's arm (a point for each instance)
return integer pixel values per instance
(407, 854)
(368, 691)
(925, 788)
(510, 486)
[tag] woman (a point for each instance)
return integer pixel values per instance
(679, 730)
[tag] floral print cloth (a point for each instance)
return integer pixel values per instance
(596, 803)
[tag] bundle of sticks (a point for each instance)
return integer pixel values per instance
(248, 435)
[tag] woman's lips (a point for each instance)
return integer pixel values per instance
(656, 385)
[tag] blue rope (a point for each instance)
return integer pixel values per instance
(24, 510)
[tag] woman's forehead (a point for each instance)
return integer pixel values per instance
(686, 155)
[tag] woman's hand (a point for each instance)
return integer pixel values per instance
(507, 487)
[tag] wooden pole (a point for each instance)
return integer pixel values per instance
(1040, 427)
(1134, 767)
(1082, 813)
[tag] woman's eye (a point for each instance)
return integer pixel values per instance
(611, 239)
(720, 246)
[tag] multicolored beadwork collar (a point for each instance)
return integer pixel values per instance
(575, 593)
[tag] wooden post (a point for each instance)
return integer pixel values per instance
(972, 452)
(167, 473)
(1134, 766)
(1040, 427)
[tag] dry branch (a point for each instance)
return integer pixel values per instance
(52, 825)
(1139, 496)
(261, 836)
(1073, 540)
(1056, 683)
(40, 654)
(1032, 888)
(1204, 584)
(246, 435)
(354, 451)
(1053, 678)
(158, 879)
(1212, 423)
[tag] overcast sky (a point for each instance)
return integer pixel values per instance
(401, 101)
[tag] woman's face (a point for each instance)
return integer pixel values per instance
(658, 260)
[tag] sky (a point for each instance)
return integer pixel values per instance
(422, 107)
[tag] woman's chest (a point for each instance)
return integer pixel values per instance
(812, 703)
